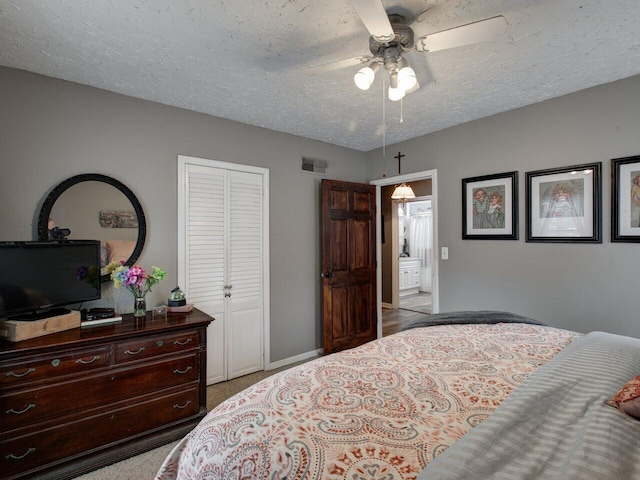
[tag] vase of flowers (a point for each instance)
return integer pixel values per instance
(139, 306)
(138, 282)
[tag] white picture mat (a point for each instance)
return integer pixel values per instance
(577, 225)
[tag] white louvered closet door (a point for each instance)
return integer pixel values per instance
(221, 262)
(244, 287)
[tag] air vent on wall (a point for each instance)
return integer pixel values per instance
(311, 165)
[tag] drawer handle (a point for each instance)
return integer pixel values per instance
(18, 375)
(82, 361)
(20, 412)
(11, 456)
(182, 372)
(176, 406)
(182, 342)
(129, 352)
(159, 343)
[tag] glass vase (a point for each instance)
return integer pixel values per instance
(139, 306)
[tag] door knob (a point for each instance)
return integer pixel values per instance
(326, 274)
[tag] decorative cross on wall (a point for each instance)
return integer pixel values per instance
(399, 157)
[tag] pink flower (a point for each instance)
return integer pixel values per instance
(136, 276)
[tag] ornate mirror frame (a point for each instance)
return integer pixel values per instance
(54, 195)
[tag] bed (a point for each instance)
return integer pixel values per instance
(407, 407)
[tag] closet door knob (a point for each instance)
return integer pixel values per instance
(326, 274)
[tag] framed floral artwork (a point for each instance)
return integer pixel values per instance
(625, 199)
(490, 207)
(564, 204)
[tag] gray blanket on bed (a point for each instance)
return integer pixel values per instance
(479, 316)
(556, 424)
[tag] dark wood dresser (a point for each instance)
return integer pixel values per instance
(77, 400)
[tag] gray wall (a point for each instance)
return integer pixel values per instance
(579, 287)
(51, 130)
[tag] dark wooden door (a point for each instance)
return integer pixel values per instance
(349, 316)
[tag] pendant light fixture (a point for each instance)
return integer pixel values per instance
(403, 192)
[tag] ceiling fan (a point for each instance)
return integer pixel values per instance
(392, 37)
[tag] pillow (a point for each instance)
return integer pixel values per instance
(628, 398)
(119, 250)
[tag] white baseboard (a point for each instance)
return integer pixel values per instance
(386, 305)
(296, 358)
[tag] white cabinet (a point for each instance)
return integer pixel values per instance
(409, 281)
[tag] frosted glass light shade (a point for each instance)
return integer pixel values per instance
(407, 78)
(396, 94)
(364, 78)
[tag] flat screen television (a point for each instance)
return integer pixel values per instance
(38, 278)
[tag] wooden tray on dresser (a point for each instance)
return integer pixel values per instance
(77, 400)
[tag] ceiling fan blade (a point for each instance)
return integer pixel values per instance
(331, 66)
(476, 32)
(374, 17)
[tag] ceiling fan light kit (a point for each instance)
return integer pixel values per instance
(402, 78)
(391, 36)
(389, 53)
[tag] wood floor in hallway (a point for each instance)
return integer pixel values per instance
(394, 319)
(411, 308)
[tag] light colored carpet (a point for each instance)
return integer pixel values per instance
(146, 465)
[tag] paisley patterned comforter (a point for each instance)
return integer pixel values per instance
(381, 411)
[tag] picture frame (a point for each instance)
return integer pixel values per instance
(115, 219)
(564, 205)
(625, 199)
(490, 207)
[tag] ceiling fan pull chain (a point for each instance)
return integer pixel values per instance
(401, 118)
(384, 122)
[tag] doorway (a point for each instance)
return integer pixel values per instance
(387, 229)
(416, 257)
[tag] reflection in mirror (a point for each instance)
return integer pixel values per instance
(95, 207)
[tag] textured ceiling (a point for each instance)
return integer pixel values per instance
(249, 60)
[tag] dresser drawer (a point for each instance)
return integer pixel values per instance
(25, 454)
(156, 345)
(29, 406)
(17, 373)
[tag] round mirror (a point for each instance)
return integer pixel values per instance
(95, 207)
